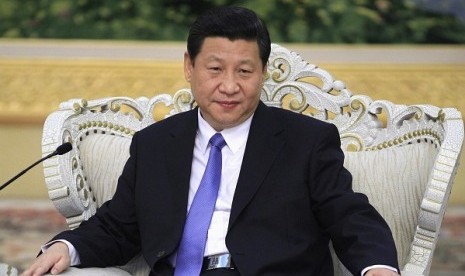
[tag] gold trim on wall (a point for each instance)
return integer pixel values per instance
(433, 84)
(32, 88)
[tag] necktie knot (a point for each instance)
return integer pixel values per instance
(218, 141)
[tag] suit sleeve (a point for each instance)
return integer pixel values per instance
(111, 236)
(359, 234)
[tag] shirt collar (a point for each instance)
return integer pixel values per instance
(235, 137)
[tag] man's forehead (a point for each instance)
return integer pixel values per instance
(211, 44)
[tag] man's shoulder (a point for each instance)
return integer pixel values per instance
(177, 121)
(295, 119)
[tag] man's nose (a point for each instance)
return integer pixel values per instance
(229, 84)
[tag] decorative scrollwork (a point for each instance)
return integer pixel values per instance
(281, 69)
(358, 118)
(183, 100)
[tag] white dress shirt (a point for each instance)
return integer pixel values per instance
(232, 154)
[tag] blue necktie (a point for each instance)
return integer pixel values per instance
(192, 246)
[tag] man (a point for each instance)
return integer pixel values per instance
(283, 191)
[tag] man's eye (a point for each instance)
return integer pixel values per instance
(245, 71)
(215, 69)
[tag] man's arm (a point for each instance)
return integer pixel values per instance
(360, 236)
(55, 259)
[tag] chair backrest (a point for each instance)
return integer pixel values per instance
(405, 160)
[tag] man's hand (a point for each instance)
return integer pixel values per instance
(381, 272)
(55, 259)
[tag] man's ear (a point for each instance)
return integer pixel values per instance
(265, 72)
(188, 67)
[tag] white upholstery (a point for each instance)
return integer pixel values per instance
(95, 271)
(397, 195)
(113, 152)
(8, 270)
(405, 163)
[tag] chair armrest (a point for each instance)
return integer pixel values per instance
(8, 270)
(94, 271)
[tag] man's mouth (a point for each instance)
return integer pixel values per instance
(228, 104)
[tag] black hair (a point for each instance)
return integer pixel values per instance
(232, 23)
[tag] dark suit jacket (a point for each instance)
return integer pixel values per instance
(293, 195)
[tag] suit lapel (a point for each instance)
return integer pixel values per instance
(263, 144)
(179, 154)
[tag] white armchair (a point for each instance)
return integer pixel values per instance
(405, 162)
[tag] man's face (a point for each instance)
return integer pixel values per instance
(226, 80)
